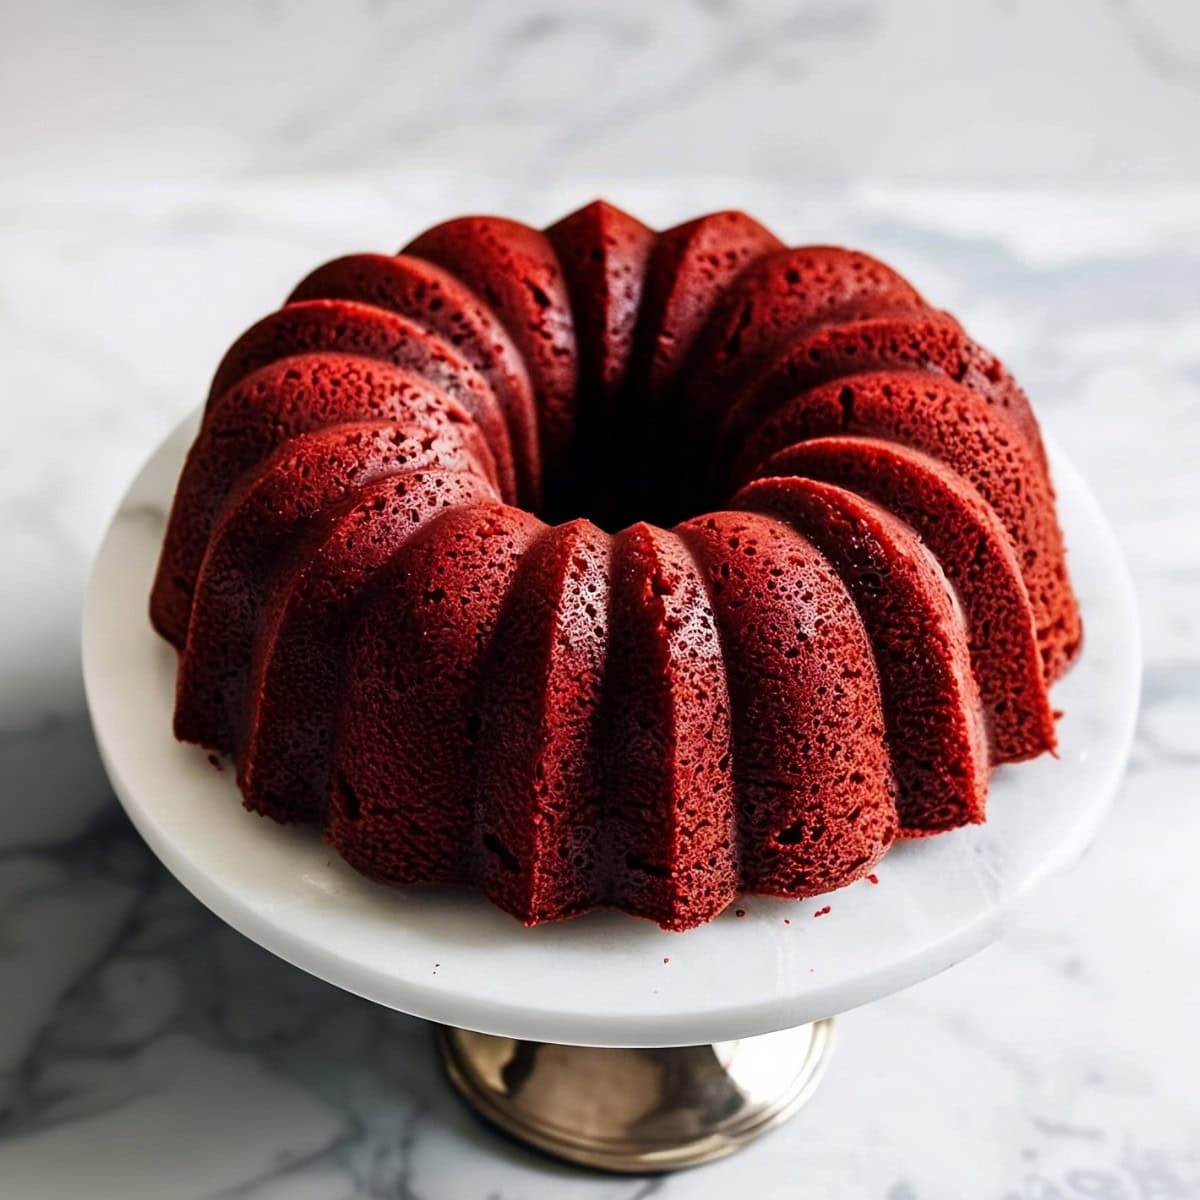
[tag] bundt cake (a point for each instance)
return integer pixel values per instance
(605, 567)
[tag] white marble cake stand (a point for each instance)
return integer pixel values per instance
(608, 980)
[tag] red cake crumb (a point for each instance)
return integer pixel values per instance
(931, 710)
(397, 286)
(516, 269)
(604, 567)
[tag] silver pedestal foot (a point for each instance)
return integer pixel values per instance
(638, 1110)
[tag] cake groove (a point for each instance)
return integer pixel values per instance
(437, 301)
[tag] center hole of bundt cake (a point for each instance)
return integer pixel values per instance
(608, 483)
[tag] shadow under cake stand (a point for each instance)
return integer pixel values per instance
(605, 1040)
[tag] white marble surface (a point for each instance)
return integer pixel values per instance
(604, 980)
(147, 1051)
(795, 90)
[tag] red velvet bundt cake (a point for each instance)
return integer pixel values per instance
(606, 567)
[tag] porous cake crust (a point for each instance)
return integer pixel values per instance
(596, 566)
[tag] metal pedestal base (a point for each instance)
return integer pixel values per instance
(638, 1110)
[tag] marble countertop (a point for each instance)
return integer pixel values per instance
(1072, 91)
(147, 1051)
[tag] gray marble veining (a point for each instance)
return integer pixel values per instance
(796, 90)
(147, 1051)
